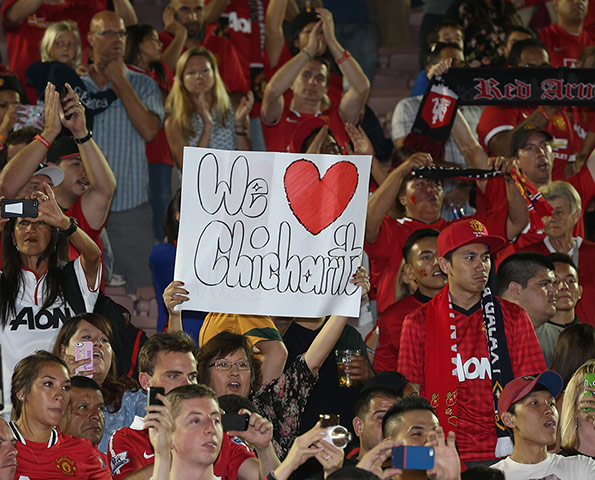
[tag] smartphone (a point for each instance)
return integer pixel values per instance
(84, 350)
(19, 208)
(413, 457)
(152, 395)
(235, 422)
(589, 382)
(63, 93)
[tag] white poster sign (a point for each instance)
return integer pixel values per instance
(267, 233)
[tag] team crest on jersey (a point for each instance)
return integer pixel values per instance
(66, 465)
(559, 122)
(118, 461)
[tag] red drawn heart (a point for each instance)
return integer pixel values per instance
(317, 202)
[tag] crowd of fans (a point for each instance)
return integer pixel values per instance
(478, 339)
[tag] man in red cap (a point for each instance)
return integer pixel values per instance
(528, 410)
(465, 344)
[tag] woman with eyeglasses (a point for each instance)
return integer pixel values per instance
(228, 365)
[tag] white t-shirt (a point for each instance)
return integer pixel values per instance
(35, 329)
(554, 467)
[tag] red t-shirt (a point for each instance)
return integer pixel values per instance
(583, 120)
(130, 450)
(76, 211)
(495, 119)
(158, 150)
(278, 136)
(62, 457)
(476, 430)
(246, 32)
(563, 47)
(582, 181)
(390, 324)
(229, 65)
(385, 253)
(23, 41)
(585, 308)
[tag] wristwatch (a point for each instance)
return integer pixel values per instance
(70, 230)
(84, 139)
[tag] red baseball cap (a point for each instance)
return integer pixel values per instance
(520, 387)
(464, 232)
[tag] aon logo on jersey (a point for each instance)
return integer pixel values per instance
(472, 368)
(239, 24)
(42, 320)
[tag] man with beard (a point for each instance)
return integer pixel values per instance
(185, 27)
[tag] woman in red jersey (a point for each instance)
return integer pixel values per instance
(40, 393)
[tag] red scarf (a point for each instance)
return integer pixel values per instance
(441, 346)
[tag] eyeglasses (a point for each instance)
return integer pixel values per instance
(112, 33)
(225, 365)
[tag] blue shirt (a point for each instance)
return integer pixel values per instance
(133, 404)
(123, 146)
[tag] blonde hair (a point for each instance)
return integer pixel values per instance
(561, 189)
(51, 35)
(568, 419)
(179, 102)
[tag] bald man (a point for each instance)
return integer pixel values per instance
(121, 131)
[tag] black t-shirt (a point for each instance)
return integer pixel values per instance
(327, 396)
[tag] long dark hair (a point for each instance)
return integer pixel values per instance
(11, 280)
(135, 35)
(113, 387)
(171, 223)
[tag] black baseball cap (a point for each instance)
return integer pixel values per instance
(519, 138)
(296, 25)
(62, 149)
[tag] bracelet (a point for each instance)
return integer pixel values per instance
(241, 130)
(42, 140)
(345, 56)
(2, 138)
(310, 57)
(70, 230)
(544, 113)
(84, 139)
(271, 476)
